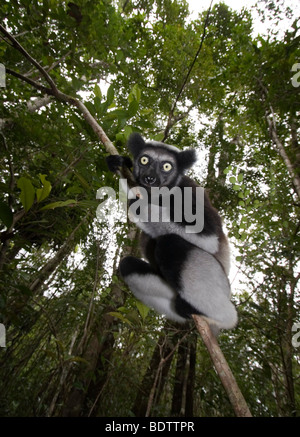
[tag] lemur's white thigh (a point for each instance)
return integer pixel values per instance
(154, 292)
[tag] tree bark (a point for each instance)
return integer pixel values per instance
(178, 400)
(189, 403)
(162, 349)
(229, 383)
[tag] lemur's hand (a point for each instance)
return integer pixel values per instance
(114, 162)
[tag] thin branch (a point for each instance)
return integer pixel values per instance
(158, 371)
(281, 150)
(185, 81)
(276, 140)
(21, 49)
(226, 376)
(31, 82)
(54, 91)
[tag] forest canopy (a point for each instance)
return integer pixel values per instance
(76, 79)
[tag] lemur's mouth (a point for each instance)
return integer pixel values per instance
(150, 180)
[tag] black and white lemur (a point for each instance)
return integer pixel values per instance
(186, 272)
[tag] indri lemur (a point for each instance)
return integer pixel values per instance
(186, 272)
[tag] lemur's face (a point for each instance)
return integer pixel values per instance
(155, 167)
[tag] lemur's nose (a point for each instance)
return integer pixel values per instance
(150, 180)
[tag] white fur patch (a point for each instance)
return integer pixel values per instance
(155, 293)
(209, 243)
(206, 287)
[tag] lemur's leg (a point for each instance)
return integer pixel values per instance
(198, 278)
(149, 287)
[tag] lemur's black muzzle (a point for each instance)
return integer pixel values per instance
(150, 180)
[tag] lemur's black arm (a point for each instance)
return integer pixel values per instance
(114, 162)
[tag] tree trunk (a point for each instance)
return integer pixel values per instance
(178, 404)
(84, 397)
(189, 404)
(162, 349)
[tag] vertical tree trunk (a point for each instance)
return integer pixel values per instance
(189, 404)
(286, 316)
(162, 349)
(183, 390)
(178, 403)
(100, 341)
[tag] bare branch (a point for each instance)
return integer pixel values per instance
(27, 56)
(271, 120)
(281, 150)
(31, 82)
(226, 376)
(170, 122)
(54, 91)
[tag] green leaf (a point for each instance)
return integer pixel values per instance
(43, 193)
(110, 95)
(144, 124)
(243, 236)
(83, 182)
(135, 94)
(159, 137)
(60, 204)
(91, 108)
(143, 309)
(232, 179)
(116, 113)
(127, 131)
(97, 91)
(236, 187)
(98, 105)
(240, 177)
(120, 317)
(27, 193)
(133, 108)
(6, 214)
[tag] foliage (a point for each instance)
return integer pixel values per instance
(77, 341)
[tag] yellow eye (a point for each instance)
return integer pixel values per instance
(167, 166)
(144, 160)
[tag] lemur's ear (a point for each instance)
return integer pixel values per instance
(135, 143)
(186, 159)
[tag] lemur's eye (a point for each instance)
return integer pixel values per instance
(144, 160)
(167, 166)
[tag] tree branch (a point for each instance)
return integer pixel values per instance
(21, 49)
(54, 91)
(31, 82)
(276, 140)
(226, 376)
(170, 122)
(281, 150)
